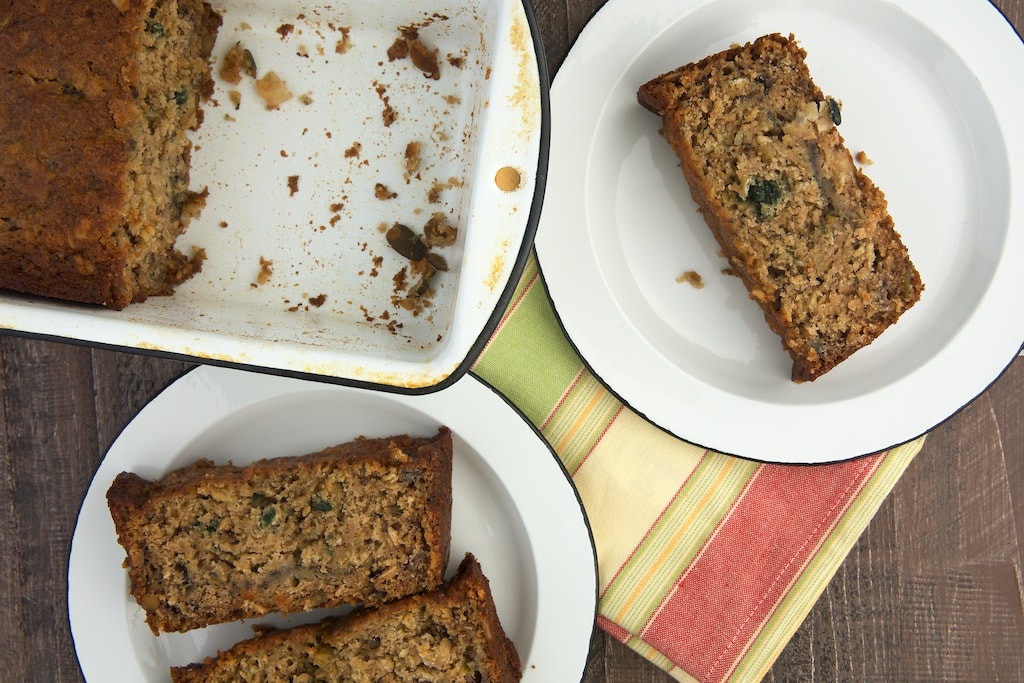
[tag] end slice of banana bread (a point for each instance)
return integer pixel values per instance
(809, 234)
(364, 522)
(98, 98)
(451, 635)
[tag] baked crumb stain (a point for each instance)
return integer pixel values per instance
(273, 90)
(388, 114)
(508, 179)
(266, 270)
(437, 187)
(345, 42)
(383, 193)
(693, 278)
(293, 185)
(195, 202)
(238, 61)
(409, 45)
(231, 65)
(497, 267)
(412, 160)
(439, 232)
(525, 95)
(198, 258)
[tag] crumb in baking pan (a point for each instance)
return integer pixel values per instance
(273, 90)
(693, 278)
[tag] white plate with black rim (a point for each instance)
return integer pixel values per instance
(931, 91)
(513, 507)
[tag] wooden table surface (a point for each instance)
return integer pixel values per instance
(932, 590)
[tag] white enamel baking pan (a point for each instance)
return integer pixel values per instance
(299, 278)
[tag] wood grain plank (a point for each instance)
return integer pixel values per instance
(552, 19)
(45, 432)
(931, 591)
(124, 384)
(596, 658)
(959, 555)
(12, 616)
(1006, 401)
(578, 13)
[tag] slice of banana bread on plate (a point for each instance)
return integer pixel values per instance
(451, 635)
(363, 522)
(808, 233)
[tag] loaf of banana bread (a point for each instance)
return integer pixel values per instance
(364, 522)
(451, 635)
(98, 96)
(809, 234)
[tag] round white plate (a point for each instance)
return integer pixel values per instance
(513, 507)
(931, 91)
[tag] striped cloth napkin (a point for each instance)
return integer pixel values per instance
(707, 563)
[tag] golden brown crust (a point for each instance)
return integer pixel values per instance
(808, 233)
(363, 522)
(83, 148)
(452, 634)
(46, 183)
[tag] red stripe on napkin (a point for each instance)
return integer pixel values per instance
(613, 629)
(717, 607)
